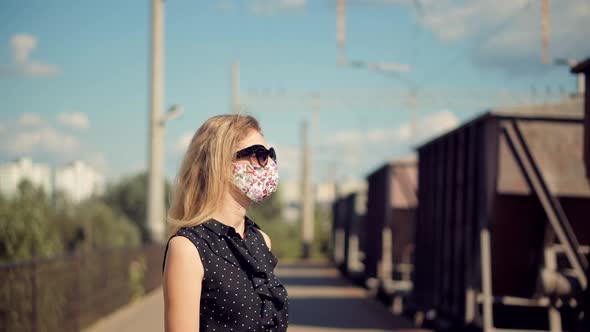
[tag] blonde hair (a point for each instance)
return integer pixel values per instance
(206, 172)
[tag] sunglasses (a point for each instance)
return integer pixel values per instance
(261, 153)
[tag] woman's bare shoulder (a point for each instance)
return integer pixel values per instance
(183, 257)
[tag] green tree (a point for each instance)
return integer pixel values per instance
(24, 228)
(129, 197)
(284, 236)
(34, 225)
(322, 226)
(101, 226)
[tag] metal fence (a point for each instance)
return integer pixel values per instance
(69, 293)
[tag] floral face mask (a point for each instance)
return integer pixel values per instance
(256, 182)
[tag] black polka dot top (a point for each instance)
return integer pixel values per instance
(240, 291)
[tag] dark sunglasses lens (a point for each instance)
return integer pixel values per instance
(262, 156)
(273, 154)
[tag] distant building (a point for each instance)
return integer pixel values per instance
(290, 192)
(13, 172)
(79, 181)
(325, 193)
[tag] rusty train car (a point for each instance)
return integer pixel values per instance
(373, 232)
(348, 234)
(503, 227)
(500, 237)
(389, 228)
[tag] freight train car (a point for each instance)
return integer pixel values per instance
(338, 231)
(354, 216)
(348, 214)
(389, 230)
(503, 226)
(583, 68)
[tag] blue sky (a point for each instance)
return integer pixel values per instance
(74, 75)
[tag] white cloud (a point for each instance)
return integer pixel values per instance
(390, 66)
(455, 20)
(507, 34)
(30, 119)
(401, 133)
(275, 7)
(45, 139)
(352, 152)
(293, 4)
(429, 126)
(289, 161)
(36, 68)
(262, 7)
(183, 142)
(345, 137)
(97, 161)
(225, 5)
(22, 142)
(356, 152)
(437, 124)
(77, 120)
(22, 45)
(380, 2)
(30, 134)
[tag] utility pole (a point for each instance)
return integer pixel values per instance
(156, 204)
(341, 31)
(545, 32)
(390, 69)
(235, 87)
(315, 121)
(307, 200)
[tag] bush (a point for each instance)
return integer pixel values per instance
(32, 225)
(25, 230)
(128, 197)
(285, 237)
(137, 270)
(103, 227)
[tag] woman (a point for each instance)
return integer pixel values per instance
(218, 267)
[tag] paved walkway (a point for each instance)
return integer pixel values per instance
(320, 300)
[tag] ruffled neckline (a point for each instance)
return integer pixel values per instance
(265, 284)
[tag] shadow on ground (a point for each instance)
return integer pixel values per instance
(320, 298)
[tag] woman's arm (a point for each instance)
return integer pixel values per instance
(182, 280)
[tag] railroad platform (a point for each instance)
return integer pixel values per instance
(320, 300)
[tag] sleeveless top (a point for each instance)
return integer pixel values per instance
(240, 291)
